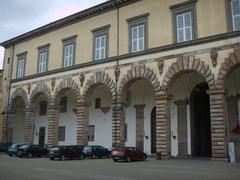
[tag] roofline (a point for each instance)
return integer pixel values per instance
(74, 18)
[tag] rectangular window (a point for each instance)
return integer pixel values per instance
(69, 51)
(97, 103)
(42, 66)
(100, 47)
(235, 12)
(91, 132)
(43, 108)
(184, 21)
(20, 68)
(184, 27)
(43, 58)
(138, 38)
(100, 42)
(61, 133)
(138, 34)
(63, 105)
(125, 135)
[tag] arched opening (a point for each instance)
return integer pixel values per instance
(39, 109)
(190, 116)
(232, 86)
(99, 99)
(66, 101)
(139, 116)
(17, 125)
(200, 121)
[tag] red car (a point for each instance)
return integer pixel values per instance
(128, 154)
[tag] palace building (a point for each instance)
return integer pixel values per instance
(161, 75)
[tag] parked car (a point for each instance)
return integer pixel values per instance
(67, 152)
(128, 154)
(13, 149)
(32, 151)
(96, 151)
(4, 147)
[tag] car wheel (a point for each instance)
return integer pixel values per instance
(51, 158)
(108, 156)
(81, 156)
(114, 160)
(62, 157)
(9, 154)
(29, 155)
(128, 159)
(93, 156)
(144, 158)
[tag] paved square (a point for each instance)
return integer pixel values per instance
(12, 168)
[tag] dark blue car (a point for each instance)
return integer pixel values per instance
(96, 152)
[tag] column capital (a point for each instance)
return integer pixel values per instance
(181, 102)
(164, 97)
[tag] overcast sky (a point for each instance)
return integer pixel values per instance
(20, 16)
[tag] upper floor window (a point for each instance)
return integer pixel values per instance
(42, 58)
(184, 27)
(138, 27)
(69, 51)
(21, 64)
(184, 21)
(235, 14)
(100, 46)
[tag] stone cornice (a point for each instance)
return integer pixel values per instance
(82, 15)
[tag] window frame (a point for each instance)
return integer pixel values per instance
(66, 42)
(182, 8)
(41, 113)
(134, 22)
(229, 16)
(64, 138)
(99, 32)
(98, 101)
(43, 49)
(21, 56)
(60, 105)
(89, 136)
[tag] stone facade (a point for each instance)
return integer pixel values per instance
(160, 67)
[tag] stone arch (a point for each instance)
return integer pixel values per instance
(139, 72)
(19, 92)
(41, 89)
(227, 66)
(98, 78)
(67, 83)
(188, 64)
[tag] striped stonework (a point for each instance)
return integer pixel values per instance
(218, 124)
(53, 118)
(163, 137)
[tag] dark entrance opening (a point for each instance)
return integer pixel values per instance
(153, 131)
(200, 122)
(41, 136)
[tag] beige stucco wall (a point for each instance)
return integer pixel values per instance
(211, 19)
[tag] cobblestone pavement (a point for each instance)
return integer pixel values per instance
(13, 168)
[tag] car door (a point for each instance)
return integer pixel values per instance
(138, 153)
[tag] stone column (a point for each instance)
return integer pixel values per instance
(163, 136)
(218, 124)
(182, 128)
(82, 122)
(140, 126)
(53, 121)
(27, 125)
(118, 123)
(31, 125)
(7, 127)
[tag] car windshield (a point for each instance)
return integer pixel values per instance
(14, 146)
(23, 146)
(88, 149)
